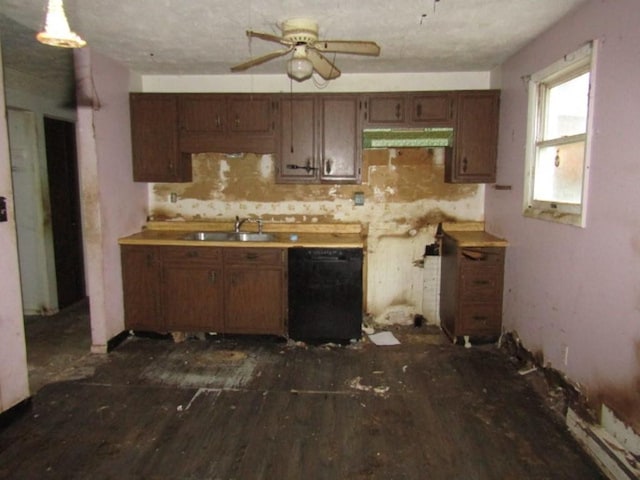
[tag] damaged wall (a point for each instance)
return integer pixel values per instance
(405, 198)
(573, 294)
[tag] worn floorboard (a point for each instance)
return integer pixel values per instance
(255, 408)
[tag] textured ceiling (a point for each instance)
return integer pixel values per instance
(208, 36)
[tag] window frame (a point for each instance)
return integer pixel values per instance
(567, 68)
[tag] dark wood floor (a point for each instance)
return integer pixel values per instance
(256, 408)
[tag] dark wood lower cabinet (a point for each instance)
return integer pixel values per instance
(192, 289)
(204, 289)
(471, 290)
(141, 293)
(255, 297)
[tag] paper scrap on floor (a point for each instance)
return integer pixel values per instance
(384, 338)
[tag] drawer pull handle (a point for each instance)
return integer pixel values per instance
(192, 254)
(252, 256)
(481, 282)
(212, 276)
(480, 318)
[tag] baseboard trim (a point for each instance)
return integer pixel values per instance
(116, 341)
(610, 455)
(14, 413)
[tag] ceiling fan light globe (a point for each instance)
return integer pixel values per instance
(299, 68)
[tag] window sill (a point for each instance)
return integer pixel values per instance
(553, 215)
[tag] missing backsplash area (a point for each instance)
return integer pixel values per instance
(247, 182)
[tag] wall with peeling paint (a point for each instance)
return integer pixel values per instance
(14, 385)
(112, 204)
(570, 289)
(405, 198)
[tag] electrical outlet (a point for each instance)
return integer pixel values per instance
(3, 209)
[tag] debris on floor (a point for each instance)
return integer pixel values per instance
(384, 339)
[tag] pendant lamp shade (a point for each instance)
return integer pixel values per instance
(57, 32)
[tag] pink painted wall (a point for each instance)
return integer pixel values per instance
(568, 287)
(14, 384)
(113, 205)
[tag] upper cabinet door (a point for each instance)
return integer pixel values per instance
(154, 138)
(384, 109)
(297, 147)
(250, 113)
(436, 109)
(203, 113)
(340, 160)
(476, 138)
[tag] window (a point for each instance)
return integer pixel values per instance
(557, 146)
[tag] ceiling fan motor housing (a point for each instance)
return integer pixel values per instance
(300, 30)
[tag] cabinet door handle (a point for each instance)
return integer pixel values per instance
(212, 276)
(465, 164)
(327, 166)
(237, 121)
(149, 259)
(398, 111)
(218, 122)
(419, 110)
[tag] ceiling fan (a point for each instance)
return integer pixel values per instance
(300, 36)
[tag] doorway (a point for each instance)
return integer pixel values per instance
(64, 202)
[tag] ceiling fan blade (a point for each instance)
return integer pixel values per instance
(258, 60)
(348, 46)
(324, 67)
(268, 37)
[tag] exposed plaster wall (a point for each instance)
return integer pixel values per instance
(14, 384)
(570, 289)
(405, 198)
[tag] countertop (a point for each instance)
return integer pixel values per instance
(308, 235)
(475, 238)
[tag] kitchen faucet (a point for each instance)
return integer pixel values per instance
(238, 223)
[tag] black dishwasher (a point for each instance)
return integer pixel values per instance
(325, 294)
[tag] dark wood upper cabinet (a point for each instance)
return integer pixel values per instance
(154, 138)
(384, 110)
(319, 139)
(203, 113)
(251, 114)
(227, 123)
(432, 109)
(408, 110)
(340, 159)
(297, 142)
(476, 138)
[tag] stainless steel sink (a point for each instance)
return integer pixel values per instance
(229, 237)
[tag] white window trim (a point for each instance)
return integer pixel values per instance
(557, 212)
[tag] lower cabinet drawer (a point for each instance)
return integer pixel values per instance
(479, 319)
(261, 256)
(481, 284)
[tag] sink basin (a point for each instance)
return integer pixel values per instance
(229, 237)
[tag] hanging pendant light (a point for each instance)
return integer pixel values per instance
(56, 31)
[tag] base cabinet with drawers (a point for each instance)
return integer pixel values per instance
(471, 286)
(204, 289)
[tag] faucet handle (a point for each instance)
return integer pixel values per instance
(259, 221)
